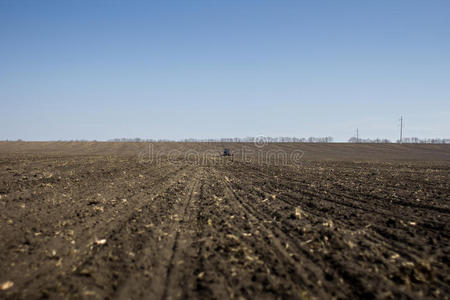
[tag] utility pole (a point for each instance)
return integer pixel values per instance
(401, 129)
(357, 135)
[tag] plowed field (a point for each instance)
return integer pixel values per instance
(97, 221)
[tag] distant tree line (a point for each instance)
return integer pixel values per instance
(407, 140)
(133, 140)
(281, 139)
(353, 139)
(415, 140)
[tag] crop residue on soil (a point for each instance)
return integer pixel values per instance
(84, 225)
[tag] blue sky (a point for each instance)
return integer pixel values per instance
(210, 69)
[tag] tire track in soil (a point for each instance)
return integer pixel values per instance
(323, 262)
(292, 196)
(382, 249)
(366, 201)
(164, 256)
(219, 258)
(170, 284)
(228, 264)
(285, 195)
(303, 277)
(349, 284)
(304, 189)
(46, 263)
(211, 265)
(110, 260)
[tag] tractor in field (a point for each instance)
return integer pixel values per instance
(227, 152)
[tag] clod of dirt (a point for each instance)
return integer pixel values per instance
(299, 213)
(100, 242)
(6, 285)
(329, 224)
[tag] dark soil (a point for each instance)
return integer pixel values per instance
(76, 223)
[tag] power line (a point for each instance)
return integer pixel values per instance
(401, 129)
